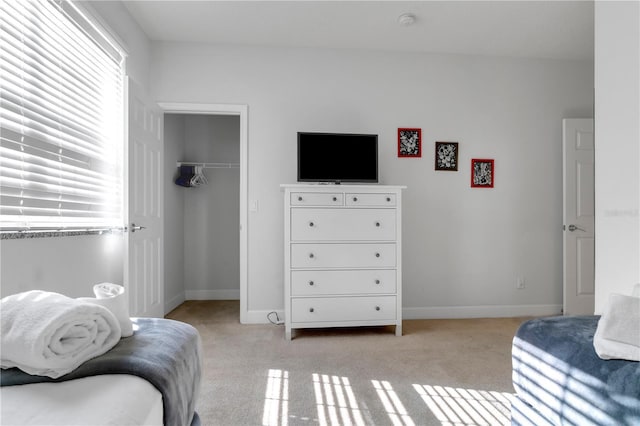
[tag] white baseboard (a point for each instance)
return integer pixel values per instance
(446, 312)
(212, 295)
(490, 311)
(170, 305)
(260, 317)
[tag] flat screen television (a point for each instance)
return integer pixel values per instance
(337, 157)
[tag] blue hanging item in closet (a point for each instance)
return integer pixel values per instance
(186, 174)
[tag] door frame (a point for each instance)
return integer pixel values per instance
(242, 111)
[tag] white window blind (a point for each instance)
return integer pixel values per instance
(61, 120)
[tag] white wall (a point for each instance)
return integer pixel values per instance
(67, 265)
(212, 211)
(174, 293)
(463, 247)
(617, 144)
(72, 265)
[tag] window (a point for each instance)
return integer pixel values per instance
(61, 120)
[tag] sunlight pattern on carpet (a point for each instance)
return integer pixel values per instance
(466, 407)
(335, 401)
(276, 399)
(392, 404)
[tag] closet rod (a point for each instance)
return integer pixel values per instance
(210, 165)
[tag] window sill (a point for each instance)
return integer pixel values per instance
(19, 235)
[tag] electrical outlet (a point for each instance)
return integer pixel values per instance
(520, 283)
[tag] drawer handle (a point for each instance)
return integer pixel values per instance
(355, 198)
(377, 308)
(299, 198)
(311, 256)
(377, 281)
(377, 254)
(378, 224)
(311, 310)
(311, 224)
(388, 199)
(310, 282)
(335, 198)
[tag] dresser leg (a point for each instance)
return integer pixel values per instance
(287, 334)
(399, 329)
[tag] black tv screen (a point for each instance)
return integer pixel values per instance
(337, 157)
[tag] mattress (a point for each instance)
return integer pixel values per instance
(559, 377)
(115, 400)
(162, 355)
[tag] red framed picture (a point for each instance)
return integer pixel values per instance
(409, 142)
(482, 173)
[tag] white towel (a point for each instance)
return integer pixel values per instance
(112, 297)
(49, 334)
(618, 333)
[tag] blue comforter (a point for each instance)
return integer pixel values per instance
(557, 373)
(164, 352)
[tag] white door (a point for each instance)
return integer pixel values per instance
(578, 216)
(144, 266)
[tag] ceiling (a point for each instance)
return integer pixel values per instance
(541, 29)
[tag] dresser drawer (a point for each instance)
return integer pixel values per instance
(331, 309)
(343, 224)
(316, 283)
(365, 199)
(317, 199)
(366, 255)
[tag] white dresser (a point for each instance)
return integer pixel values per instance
(342, 256)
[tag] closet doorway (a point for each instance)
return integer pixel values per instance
(194, 210)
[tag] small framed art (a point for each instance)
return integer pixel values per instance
(447, 156)
(482, 173)
(409, 142)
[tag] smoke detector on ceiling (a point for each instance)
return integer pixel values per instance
(406, 19)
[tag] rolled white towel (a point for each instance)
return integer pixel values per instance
(49, 334)
(113, 297)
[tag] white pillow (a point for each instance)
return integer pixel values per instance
(618, 333)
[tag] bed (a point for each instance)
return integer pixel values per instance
(559, 378)
(150, 378)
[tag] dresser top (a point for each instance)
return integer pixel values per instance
(331, 187)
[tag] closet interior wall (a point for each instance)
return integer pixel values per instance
(202, 223)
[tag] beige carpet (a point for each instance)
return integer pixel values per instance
(440, 372)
